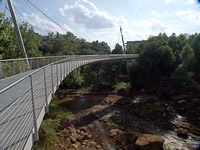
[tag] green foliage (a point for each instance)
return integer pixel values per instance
(130, 50)
(51, 125)
(37, 45)
(74, 80)
(122, 87)
(156, 60)
(117, 50)
(68, 44)
(175, 57)
(8, 70)
(187, 55)
(195, 42)
(181, 78)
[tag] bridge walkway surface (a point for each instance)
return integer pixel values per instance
(24, 98)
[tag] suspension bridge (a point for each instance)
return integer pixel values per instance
(24, 97)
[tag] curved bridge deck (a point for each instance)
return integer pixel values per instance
(24, 98)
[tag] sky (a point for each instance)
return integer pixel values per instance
(101, 19)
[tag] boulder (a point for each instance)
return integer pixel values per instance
(84, 129)
(98, 146)
(149, 142)
(73, 139)
(180, 118)
(182, 133)
(76, 145)
(115, 132)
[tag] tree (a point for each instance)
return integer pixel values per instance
(130, 50)
(117, 50)
(187, 55)
(181, 78)
(156, 60)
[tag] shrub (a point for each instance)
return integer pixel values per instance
(181, 78)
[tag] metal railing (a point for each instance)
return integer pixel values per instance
(24, 103)
(10, 67)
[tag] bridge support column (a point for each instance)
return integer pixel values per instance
(36, 135)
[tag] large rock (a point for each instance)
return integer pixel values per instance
(76, 145)
(149, 142)
(115, 132)
(182, 132)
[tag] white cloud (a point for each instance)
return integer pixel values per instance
(168, 1)
(156, 14)
(135, 30)
(150, 26)
(189, 15)
(86, 13)
(190, 2)
(43, 26)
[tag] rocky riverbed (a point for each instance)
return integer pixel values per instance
(117, 122)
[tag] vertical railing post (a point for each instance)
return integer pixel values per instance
(64, 69)
(70, 65)
(31, 64)
(57, 73)
(13, 67)
(43, 62)
(60, 72)
(52, 79)
(75, 63)
(38, 66)
(45, 87)
(1, 76)
(36, 135)
(23, 63)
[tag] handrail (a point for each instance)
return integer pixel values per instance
(18, 59)
(37, 70)
(26, 76)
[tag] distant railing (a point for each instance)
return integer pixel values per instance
(24, 103)
(10, 67)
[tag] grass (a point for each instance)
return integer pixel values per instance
(122, 86)
(51, 125)
(112, 124)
